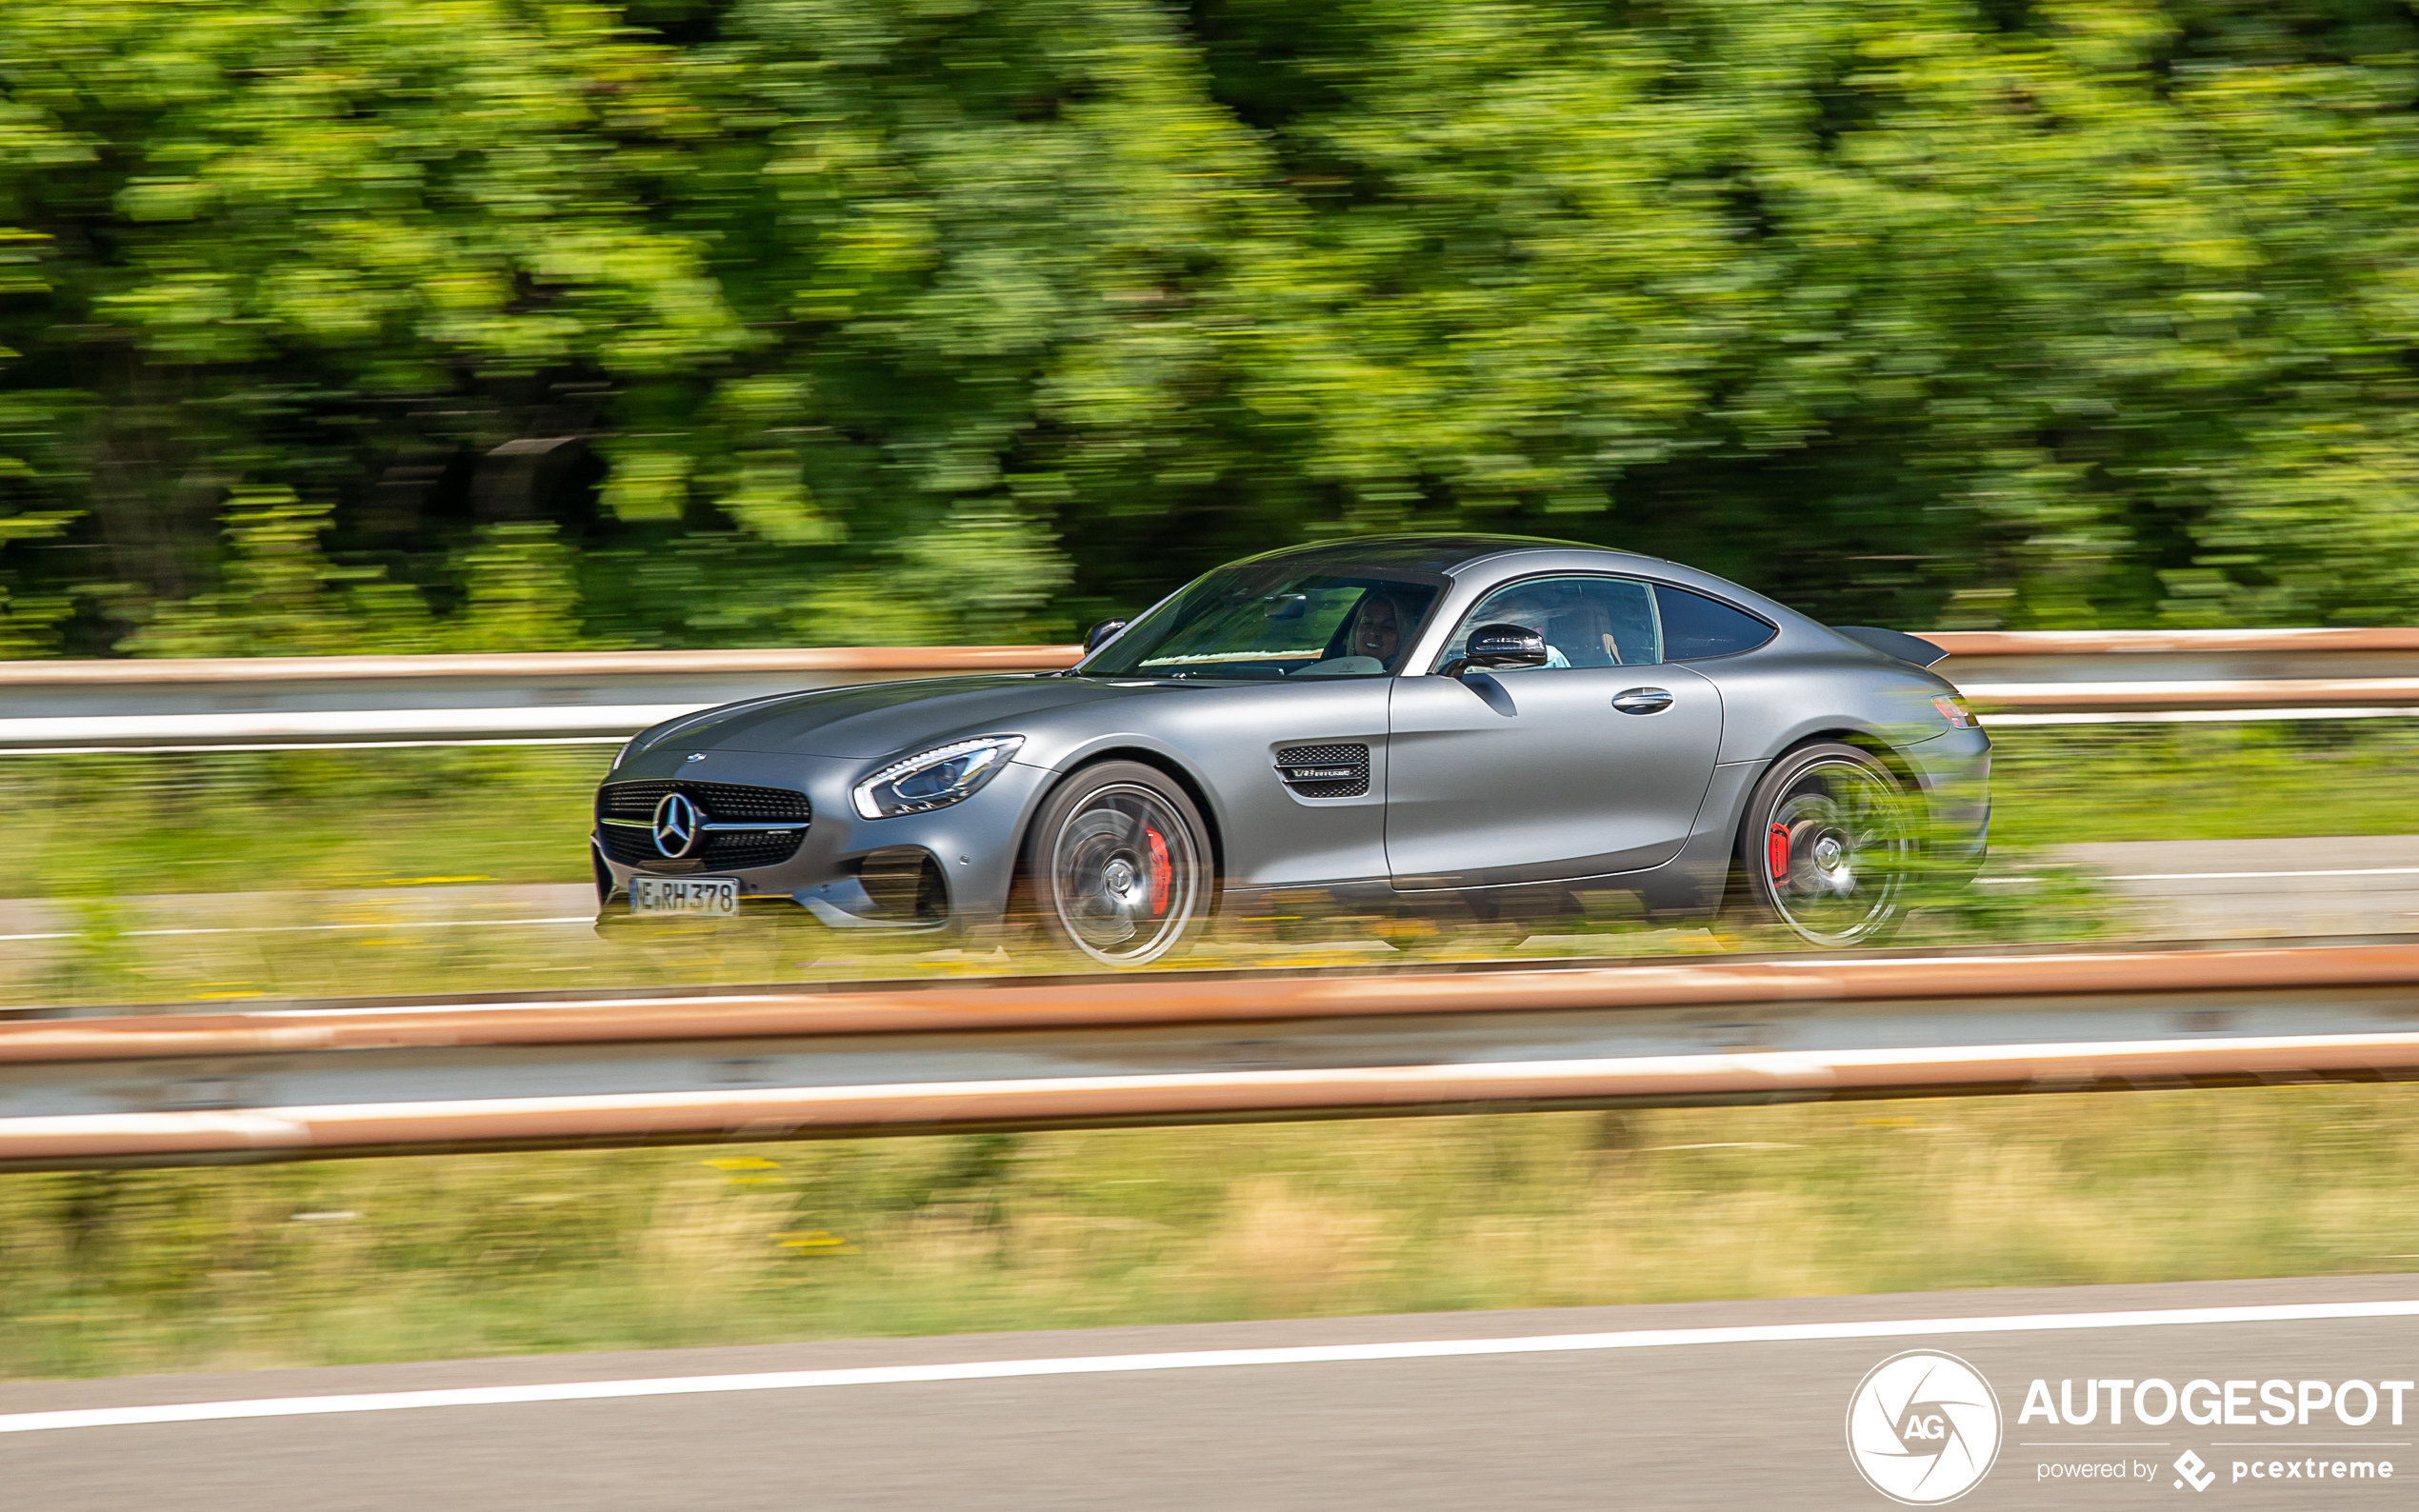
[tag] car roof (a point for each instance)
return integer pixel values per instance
(1424, 553)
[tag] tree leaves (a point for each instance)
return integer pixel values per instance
(2084, 311)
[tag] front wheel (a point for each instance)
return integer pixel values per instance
(1829, 846)
(1117, 865)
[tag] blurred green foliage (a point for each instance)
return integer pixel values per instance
(442, 324)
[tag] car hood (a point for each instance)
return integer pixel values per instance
(875, 718)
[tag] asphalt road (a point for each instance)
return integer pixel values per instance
(2259, 889)
(1678, 1422)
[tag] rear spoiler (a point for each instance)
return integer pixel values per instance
(1893, 643)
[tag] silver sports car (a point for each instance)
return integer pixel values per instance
(1484, 723)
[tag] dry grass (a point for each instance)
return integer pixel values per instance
(458, 1256)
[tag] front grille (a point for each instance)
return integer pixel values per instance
(1325, 771)
(736, 850)
(724, 803)
(720, 803)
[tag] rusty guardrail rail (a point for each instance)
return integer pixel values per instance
(2043, 677)
(598, 697)
(321, 1082)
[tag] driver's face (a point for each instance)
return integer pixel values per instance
(1376, 632)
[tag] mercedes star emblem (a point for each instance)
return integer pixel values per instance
(677, 822)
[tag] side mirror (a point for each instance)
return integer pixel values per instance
(1101, 634)
(1501, 648)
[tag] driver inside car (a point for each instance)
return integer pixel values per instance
(1377, 628)
(1370, 642)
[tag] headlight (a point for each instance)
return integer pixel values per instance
(935, 779)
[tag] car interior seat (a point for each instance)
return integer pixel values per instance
(1584, 634)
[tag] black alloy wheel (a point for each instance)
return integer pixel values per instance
(1829, 846)
(1117, 865)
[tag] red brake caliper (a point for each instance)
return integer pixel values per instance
(1163, 872)
(1776, 852)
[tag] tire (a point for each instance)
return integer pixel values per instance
(1827, 845)
(1117, 866)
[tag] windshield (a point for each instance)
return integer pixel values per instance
(1263, 623)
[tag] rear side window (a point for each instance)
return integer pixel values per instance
(1696, 627)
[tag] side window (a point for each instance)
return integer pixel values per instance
(1695, 626)
(1586, 621)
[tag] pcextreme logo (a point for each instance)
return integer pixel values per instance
(1923, 1428)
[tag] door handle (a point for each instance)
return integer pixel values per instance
(1642, 701)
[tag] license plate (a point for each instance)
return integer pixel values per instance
(716, 897)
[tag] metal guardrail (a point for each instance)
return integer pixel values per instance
(318, 1083)
(558, 697)
(599, 697)
(2091, 677)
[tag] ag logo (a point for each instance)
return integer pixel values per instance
(1923, 1428)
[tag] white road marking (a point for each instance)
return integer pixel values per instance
(1190, 1360)
(306, 928)
(2195, 876)
(2193, 716)
(2199, 876)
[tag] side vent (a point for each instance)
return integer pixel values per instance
(1325, 771)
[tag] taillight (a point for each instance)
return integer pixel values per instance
(1953, 710)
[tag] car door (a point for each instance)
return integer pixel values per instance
(1296, 773)
(1593, 764)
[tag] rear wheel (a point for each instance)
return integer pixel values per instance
(1117, 865)
(1829, 845)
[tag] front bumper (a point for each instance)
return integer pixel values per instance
(952, 866)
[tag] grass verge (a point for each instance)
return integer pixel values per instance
(2232, 780)
(89, 826)
(448, 1257)
(231, 822)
